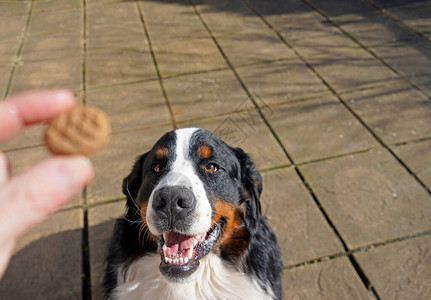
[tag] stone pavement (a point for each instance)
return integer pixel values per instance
(331, 98)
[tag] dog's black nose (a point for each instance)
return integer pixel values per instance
(174, 202)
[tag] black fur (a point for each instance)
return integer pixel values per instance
(127, 242)
(263, 254)
(239, 183)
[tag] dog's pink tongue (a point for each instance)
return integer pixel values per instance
(176, 242)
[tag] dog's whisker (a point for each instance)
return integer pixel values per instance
(131, 197)
(131, 221)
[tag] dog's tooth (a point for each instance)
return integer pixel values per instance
(195, 242)
(190, 254)
(164, 249)
(181, 260)
(175, 261)
(186, 260)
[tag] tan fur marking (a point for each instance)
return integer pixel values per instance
(205, 151)
(161, 152)
(144, 225)
(230, 213)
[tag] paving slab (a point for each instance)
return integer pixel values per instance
(171, 20)
(184, 49)
(369, 197)
(8, 51)
(423, 82)
(121, 153)
(253, 47)
(416, 156)
(204, 95)
(246, 129)
(388, 4)
(188, 55)
(56, 5)
(334, 279)
(14, 8)
(51, 46)
(286, 13)
(29, 137)
(399, 270)
(114, 25)
(321, 41)
(146, 99)
(339, 8)
(310, 34)
(375, 29)
(4, 80)
(101, 221)
(302, 232)
(47, 22)
(281, 82)
(352, 69)
(396, 113)
(47, 261)
(410, 59)
(11, 26)
(63, 73)
(21, 160)
(109, 67)
(244, 40)
(319, 128)
(415, 16)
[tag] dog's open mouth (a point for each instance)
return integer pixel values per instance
(180, 253)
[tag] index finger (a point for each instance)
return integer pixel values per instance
(29, 108)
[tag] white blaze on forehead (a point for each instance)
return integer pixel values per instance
(183, 173)
(182, 150)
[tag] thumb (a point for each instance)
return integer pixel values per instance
(30, 197)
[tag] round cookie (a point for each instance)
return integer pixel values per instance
(82, 130)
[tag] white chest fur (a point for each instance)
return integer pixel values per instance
(213, 280)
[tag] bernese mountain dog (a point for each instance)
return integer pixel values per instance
(193, 226)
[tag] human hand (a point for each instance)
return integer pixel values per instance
(32, 196)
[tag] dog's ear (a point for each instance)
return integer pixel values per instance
(132, 183)
(252, 184)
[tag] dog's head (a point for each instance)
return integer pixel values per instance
(193, 195)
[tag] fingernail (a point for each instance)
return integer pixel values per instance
(76, 172)
(62, 95)
(12, 109)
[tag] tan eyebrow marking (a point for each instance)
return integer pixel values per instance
(204, 151)
(161, 152)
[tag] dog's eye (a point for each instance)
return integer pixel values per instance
(157, 168)
(211, 168)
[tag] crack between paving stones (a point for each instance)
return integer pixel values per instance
(356, 250)
(156, 65)
(18, 54)
(395, 18)
(85, 244)
(414, 141)
(86, 267)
